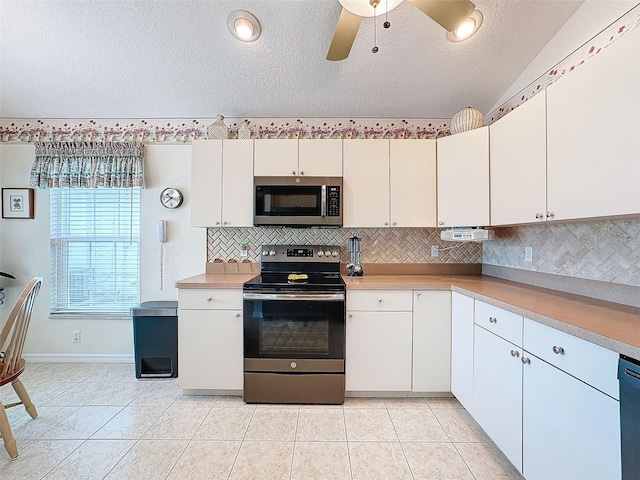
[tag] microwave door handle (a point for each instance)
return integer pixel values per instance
(323, 207)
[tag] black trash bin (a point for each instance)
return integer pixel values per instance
(155, 339)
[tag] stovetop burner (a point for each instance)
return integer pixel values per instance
(298, 268)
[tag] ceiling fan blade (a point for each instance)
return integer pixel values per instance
(345, 34)
(448, 13)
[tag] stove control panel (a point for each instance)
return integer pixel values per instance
(301, 253)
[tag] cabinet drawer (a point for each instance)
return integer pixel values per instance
(209, 299)
(586, 361)
(380, 300)
(505, 324)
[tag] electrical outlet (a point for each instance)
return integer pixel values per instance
(76, 336)
(528, 254)
(435, 250)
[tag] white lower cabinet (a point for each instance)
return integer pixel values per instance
(497, 401)
(431, 370)
(462, 349)
(210, 339)
(547, 399)
(379, 338)
(570, 428)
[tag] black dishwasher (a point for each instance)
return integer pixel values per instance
(629, 377)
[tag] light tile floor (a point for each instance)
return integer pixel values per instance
(96, 421)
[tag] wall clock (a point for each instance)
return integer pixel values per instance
(171, 197)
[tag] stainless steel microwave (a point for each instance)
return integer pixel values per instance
(297, 201)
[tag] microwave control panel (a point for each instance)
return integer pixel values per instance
(333, 201)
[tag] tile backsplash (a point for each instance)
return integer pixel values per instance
(379, 245)
(604, 250)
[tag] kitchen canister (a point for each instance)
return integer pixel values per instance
(466, 119)
(244, 132)
(218, 130)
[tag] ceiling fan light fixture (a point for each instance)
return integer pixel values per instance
(366, 8)
(244, 26)
(467, 28)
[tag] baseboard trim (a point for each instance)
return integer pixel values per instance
(78, 358)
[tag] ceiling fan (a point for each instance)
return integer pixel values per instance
(448, 13)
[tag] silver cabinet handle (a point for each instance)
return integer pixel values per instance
(301, 172)
(209, 300)
(493, 320)
(418, 295)
(558, 350)
(550, 214)
(237, 315)
(395, 223)
(380, 301)
(293, 172)
(515, 353)
(225, 223)
(386, 224)
(217, 223)
(350, 316)
(525, 361)
(440, 223)
(539, 215)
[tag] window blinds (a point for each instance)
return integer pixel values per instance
(95, 235)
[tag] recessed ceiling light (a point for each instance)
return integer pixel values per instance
(466, 29)
(244, 26)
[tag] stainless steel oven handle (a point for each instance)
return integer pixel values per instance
(321, 297)
(323, 208)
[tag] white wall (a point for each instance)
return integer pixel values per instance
(591, 18)
(24, 252)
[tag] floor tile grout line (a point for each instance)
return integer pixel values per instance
(404, 454)
(346, 435)
(241, 441)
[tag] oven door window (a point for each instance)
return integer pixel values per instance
(293, 329)
(279, 201)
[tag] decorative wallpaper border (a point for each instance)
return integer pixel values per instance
(597, 44)
(159, 130)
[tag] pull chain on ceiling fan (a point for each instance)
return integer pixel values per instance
(447, 13)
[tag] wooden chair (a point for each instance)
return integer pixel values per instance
(12, 364)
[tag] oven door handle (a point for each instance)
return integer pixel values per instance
(321, 297)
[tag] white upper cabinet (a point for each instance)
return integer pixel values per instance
(320, 157)
(412, 183)
(309, 157)
(222, 183)
(518, 156)
(463, 179)
(593, 137)
(237, 183)
(277, 157)
(206, 183)
(366, 183)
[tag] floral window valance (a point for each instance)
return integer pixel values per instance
(88, 164)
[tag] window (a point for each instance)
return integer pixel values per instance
(95, 250)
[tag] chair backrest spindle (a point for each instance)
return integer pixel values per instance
(14, 332)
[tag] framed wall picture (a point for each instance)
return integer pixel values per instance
(17, 203)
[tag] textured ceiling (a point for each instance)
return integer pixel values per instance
(177, 59)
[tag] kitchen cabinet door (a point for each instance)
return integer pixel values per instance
(462, 349)
(366, 183)
(431, 370)
(570, 429)
(378, 352)
(206, 183)
(320, 157)
(412, 183)
(237, 183)
(593, 136)
(497, 392)
(277, 157)
(210, 349)
(463, 179)
(518, 159)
